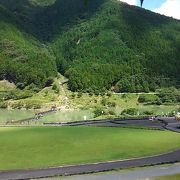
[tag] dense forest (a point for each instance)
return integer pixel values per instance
(99, 45)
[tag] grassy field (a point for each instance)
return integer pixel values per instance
(173, 177)
(121, 102)
(53, 146)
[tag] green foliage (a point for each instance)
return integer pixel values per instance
(111, 112)
(98, 112)
(79, 94)
(128, 48)
(169, 95)
(15, 94)
(148, 113)
(104, 101)
(55, 87)
(130, 111)
(163, 96)
(3, 105)
(97, 45)
(23, 59)
(148, 98)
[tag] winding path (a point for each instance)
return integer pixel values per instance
(170, 157)
(159, 123)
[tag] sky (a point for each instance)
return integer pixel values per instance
(167, 7)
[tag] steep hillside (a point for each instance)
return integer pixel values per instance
(23, 59)
(98, 45)
(127, 47)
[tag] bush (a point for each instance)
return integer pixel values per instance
(104, 102)
(32, 105)
(3, 105)
(109, 94)
(98, 112)
(22, 94)
(49, 81)
(158, 102)
(17, 105)
(169, 95)
(111, 112)
(79, 95)
(111, 104)
(55, 88)
(20, 85)
(73, 95)
(32, 87)
(131, 111)
(148, 98)
(148, 113)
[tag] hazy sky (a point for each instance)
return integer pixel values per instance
(166, 7)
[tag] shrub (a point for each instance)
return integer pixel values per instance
(169, 95)
(148, 98)
(111, 112)
(17, 105)
(79, 94)
(3, 105)
(73, 95)
(109, 94)
(20, 85)
(148, 113)
(55, 87)
(104, 102)
(49, 81)
(111, 104)
(131, 111)
(98, 112)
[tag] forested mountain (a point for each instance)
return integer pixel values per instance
(97, 44)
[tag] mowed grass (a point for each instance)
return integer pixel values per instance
(34, 147)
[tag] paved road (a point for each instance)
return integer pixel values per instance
(170, 123)
(137, 174)
(115, 123)
(171, 157)
(159, 123)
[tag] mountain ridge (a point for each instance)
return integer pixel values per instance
(104, 45)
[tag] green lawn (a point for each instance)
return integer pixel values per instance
(53, 146)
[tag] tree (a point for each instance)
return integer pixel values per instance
(86, 1)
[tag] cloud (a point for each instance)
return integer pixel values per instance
(170, 8)
(131, 2)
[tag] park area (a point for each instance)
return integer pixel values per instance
(42, 147)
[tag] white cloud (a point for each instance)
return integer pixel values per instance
(131, 2)
(170, 8)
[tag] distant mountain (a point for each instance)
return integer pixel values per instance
(98, 45)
